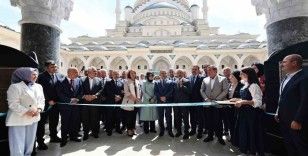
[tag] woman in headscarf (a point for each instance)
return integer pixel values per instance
(148, 114)
(25, 101)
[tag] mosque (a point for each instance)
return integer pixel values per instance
(162, 34)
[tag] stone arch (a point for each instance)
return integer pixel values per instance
(228, 61)
(98, 63)
(249, 60)
(119, 64)
(140, 65)
(183, 63)
(206, 60)
(76, 62)
(161, 63)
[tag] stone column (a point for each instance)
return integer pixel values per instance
(287, 33)
(287, 22)
(40, 26)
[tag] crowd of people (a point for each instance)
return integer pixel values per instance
(33, 99)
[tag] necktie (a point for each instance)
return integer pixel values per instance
(103, 82)
(193, 80)
(163, 83)
(52, 79)
(72, 84)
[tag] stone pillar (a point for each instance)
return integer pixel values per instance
(40, 26)
(287, 22)
(287, 33)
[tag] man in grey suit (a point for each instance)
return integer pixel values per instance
(214, 88)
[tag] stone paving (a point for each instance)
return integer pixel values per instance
(139, 145)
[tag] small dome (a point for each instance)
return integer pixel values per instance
(178, 41)
(202, 47)
(92, 43)
(120, 48)
(145, 42)
(223, 46)
(108, 43)
(233, 41)
(77, 43)
(141, 45)
(215, 42)
(251, 41)
(161, 43)
(197, 42)
(243, 46)
(181, 45)
(99, 48)
(125, 43)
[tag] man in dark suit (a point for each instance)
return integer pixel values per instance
(214, 88)
(102, 74)
(292, 112)
(69, 90)
(163, 90)
(182, 91)
(48, 80)
(196, 113)
(92, 89)
(114, 93)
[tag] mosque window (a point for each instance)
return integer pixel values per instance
(222, 66)
(120, 67)
(184, 67)
(61, 64)
(145, 67)
(235, 66)
(102, 67)
(138, 67)
(126, 67)
(177, 67)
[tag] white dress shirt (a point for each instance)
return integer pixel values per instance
(256, 94)
(287, 79)
(212, 81)
(91, 83)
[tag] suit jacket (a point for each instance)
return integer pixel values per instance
(219, 91)
(97, 89)
(182, 94)
(237, 91)
(195, 89)
(49, 86)
(65, 93)
(129, 89)
(20, 100)
(112, 89)
(293, 103)
(164, 90)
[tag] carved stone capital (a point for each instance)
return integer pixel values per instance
(277, 10)
(45, 12)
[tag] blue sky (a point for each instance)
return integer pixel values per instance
(92, 17)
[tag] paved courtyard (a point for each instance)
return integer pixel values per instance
(140, 145)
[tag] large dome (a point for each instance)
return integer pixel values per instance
(160, 5)
(138, 3)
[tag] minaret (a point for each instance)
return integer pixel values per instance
(118, 11)
(205, 10)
